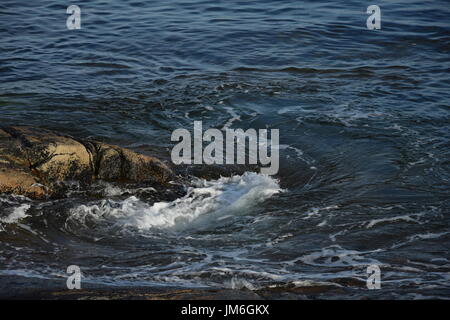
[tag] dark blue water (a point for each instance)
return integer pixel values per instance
(363, 116)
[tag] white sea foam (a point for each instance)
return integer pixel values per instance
(407, 218)
(234, 117)
(336, 256)
(17, 213)
(209, 199)
(112, 190)
(240, 283)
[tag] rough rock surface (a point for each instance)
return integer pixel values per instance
(34, 161)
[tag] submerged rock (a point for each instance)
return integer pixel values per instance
(34, 162)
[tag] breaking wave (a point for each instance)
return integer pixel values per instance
(208, 200)
(16, 214)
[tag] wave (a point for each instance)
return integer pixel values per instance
(210, 200)
(16, 214)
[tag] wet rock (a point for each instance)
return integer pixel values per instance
(147, 293)
(34, 162)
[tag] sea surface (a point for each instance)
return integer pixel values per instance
(364, 119)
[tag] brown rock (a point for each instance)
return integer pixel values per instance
(20, 182)
(33, 161)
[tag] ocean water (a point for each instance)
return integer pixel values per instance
(364, 120)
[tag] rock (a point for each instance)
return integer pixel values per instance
(124, 293)
(20, 182)
(33, 162)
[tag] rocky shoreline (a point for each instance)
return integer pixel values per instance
(161, 293)
(35, 162)
(55, 289)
